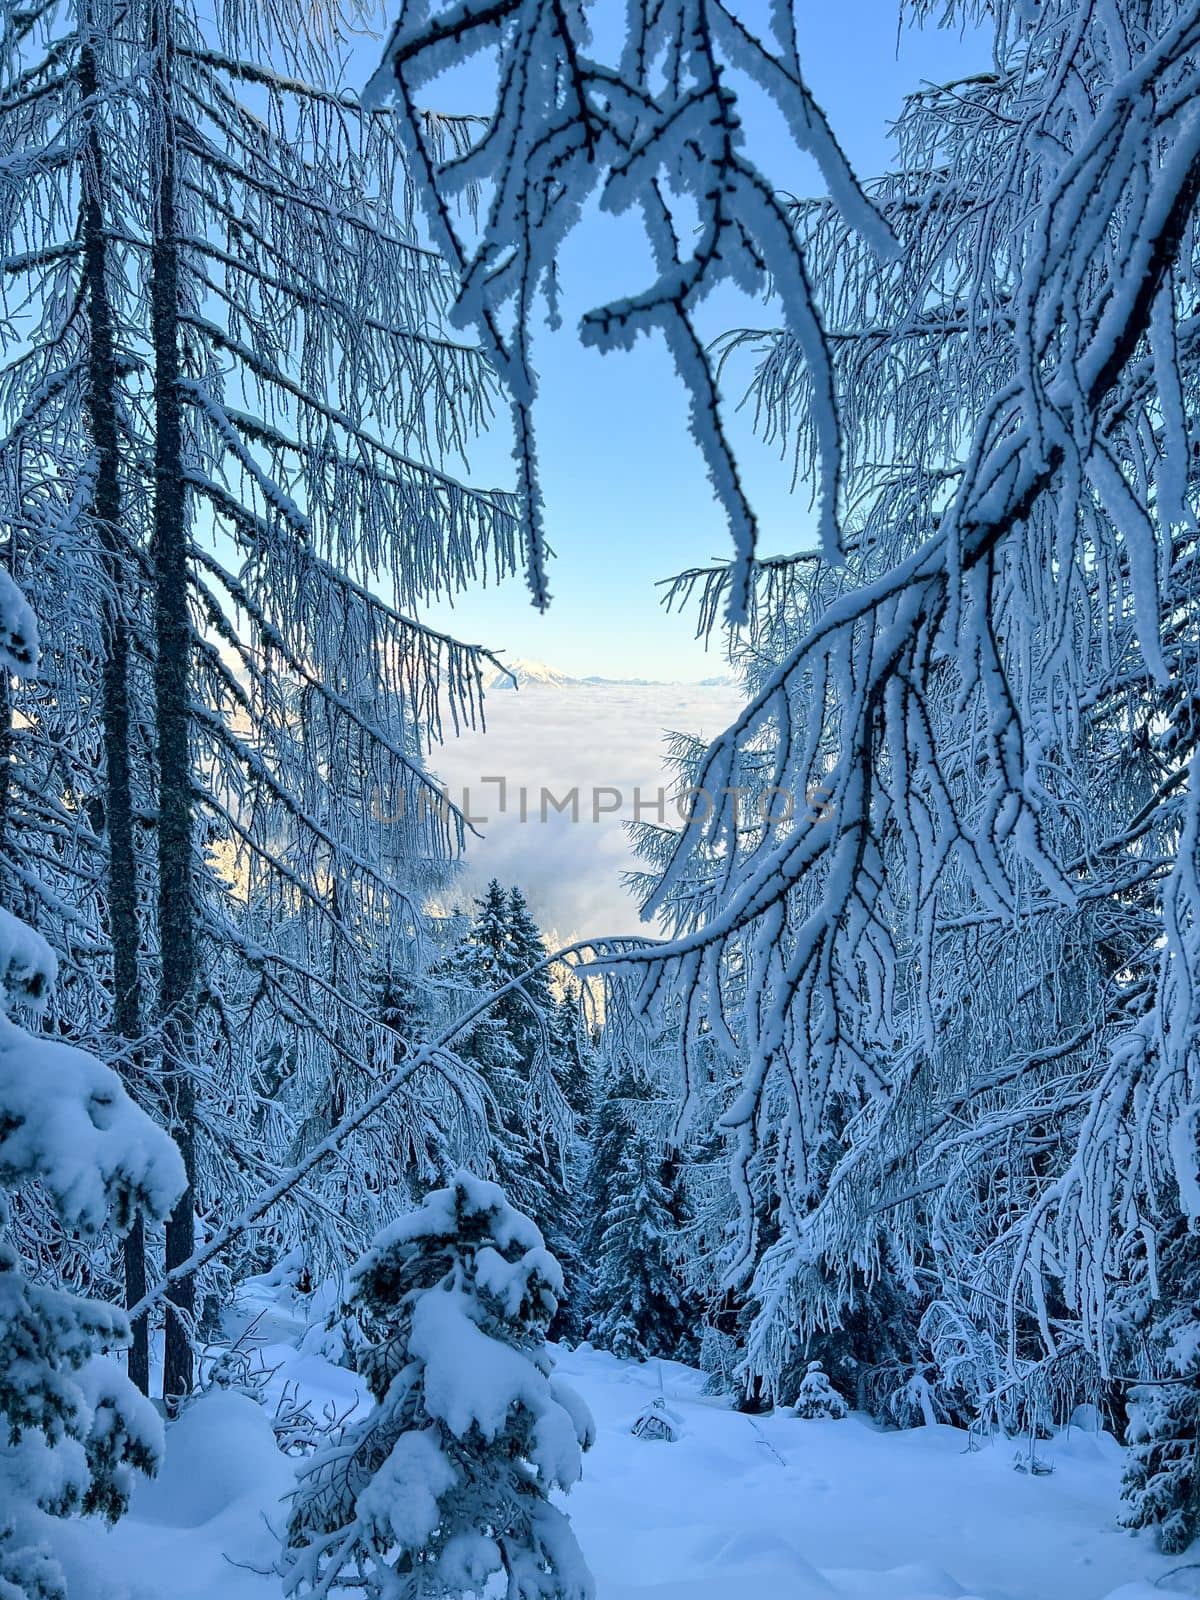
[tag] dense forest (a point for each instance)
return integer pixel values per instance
(895, 1109)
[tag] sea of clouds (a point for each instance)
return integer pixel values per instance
(593, 738)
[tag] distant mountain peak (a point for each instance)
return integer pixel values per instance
(526, 671)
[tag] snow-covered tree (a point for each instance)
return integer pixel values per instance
(527, 1053)
(641, 1299)
(639, 1306)
(970, 999)
(76, 1431)
(860, 1316)
(1161, 1488)
(543, 1028)
(447, 1480)
(573, 1047)
(817, 1397)
(478, 964)
(255, 471)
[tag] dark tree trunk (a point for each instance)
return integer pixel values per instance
(122, 909)
(176, 892)
(6, 743)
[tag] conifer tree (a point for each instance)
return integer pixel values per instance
(528, 1057)
(551, 1068)
(252, 469)
(1161, 1485)
(75, 1430)
(447, 1480)
(525, 953)
(640, 1307)
(476, 965)
(575, 1055)
(817, 1397)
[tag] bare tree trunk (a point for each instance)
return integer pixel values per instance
(176, 891)
(122, 909)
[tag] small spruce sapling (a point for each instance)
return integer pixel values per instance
(818, 1397)
(447, 1481)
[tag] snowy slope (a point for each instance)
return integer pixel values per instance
(738, 1508)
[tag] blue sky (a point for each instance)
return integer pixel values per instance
(627, 497)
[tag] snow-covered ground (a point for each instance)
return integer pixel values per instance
(738, 1508)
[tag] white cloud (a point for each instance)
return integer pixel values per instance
(564, 737)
